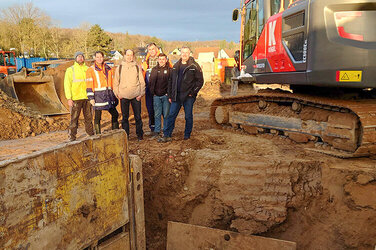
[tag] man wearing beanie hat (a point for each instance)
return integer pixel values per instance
(75, 92)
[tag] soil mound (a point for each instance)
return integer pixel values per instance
(19, 121)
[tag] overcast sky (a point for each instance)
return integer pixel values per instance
(184, 20)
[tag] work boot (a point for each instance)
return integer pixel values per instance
(164, 139)
(97, 128)
(115, 125)
(154, 135)
(147, 133)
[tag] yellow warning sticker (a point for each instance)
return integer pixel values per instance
(349, 76)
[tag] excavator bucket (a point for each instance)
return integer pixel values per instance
(35, 90)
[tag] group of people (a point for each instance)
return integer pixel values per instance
(166, 88)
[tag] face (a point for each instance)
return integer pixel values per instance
(80, 59)
(162, 61)
(185, 53)
(129, 56)
(99, 58)
(153, 50)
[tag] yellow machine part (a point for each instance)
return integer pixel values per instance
(35, 90)
(71, 196)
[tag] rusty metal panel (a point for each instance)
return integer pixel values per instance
(65, 197)
(120, 241)
(189, 237)
(138, 221)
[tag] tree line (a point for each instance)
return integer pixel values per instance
(30, 31)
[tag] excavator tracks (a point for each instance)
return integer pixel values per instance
(345, 128)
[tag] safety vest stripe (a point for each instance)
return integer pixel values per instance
(74, 76)
(90, 94)
(100, 89)
(101, 104)
(97, 76)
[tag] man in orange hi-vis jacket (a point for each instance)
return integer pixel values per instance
(99, 88)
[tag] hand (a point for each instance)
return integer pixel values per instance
(190, 95)
(169, 99)
(92, 102)
(70, 103)
(138, 98)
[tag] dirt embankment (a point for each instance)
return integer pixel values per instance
(19, 121)
(264, 185)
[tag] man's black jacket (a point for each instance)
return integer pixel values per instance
(191, 83)
(158, 81)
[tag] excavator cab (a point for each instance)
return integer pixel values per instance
(325, 50)
(324, 43)
(7, 63)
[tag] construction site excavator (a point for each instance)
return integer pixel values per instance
(325, 50)
(7, 63)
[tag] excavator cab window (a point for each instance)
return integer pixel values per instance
(275, 6)
(10, 60)
(286, 4)
(2, 60)
(254, 24)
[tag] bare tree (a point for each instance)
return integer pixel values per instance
(27, 22)
(81, 37)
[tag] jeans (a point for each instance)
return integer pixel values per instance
(136, 106)
(87, 110)
(161, 107)
(174, 111)
(149, 102)
(98, 115)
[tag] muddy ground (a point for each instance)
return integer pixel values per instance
(265, 185)
(256, 184)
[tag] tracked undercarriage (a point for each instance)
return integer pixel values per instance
(346, 128)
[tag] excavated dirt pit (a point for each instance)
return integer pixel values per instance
(255, 184)
(264, 185)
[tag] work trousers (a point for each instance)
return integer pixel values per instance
(86, 108)
(149, 103)
(161, 108)
(174, 111)
(112, 111)
(136, 106)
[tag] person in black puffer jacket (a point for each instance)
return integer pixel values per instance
(185, 82)
(158, 84)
